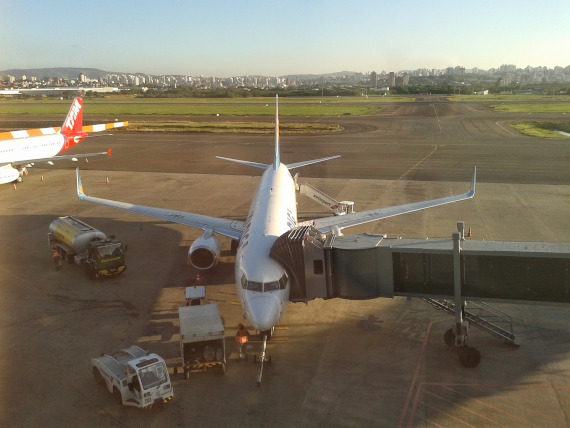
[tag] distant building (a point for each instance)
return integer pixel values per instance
(374, 79)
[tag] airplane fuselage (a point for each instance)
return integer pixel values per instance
(262, 284)
(43, 146)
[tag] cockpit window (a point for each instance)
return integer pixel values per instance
(283, 282)
(267, 286)
(271, 286)
(254, 286)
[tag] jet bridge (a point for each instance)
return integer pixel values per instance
(444, 272)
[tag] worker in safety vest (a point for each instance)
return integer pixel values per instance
(56, 257)
(242, 337)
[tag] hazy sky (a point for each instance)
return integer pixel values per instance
(229, 38)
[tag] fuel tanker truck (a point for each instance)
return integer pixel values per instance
(76, 241)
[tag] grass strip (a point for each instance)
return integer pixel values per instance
(542, 129)
(233, 127)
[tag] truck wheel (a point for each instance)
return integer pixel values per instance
(89, 272)
(117, 396)
(97, 375)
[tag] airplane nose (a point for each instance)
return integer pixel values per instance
(265, 312)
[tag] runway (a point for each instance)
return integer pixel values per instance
(340, 363)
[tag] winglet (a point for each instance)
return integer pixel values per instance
(276, 160)
(473, 179)
(80, 193)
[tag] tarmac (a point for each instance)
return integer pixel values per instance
(335, 363)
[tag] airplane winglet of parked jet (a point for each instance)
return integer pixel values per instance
(263, 285)
(19, 150)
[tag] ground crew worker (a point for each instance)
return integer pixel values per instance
(56, 257)
(242, 337)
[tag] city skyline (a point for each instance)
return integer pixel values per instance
(269, 38)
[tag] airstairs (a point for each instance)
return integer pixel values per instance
(320, 197)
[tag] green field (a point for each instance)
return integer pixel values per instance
(540, 107)
(491, 98)
(124, 107)
(542, 129)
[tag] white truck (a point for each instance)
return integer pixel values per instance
(202, 338)
(76, 241)
(134, 377)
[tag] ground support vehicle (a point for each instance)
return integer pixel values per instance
(202, 338)
(78, 242)
(195, 295)
(134, 377)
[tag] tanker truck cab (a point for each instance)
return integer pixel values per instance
(105, 258)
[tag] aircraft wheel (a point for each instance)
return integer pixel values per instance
(97, 375)
(449, 337)
(89, 271)
(470, 357)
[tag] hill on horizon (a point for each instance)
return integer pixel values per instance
(95, 73)
(56, 72)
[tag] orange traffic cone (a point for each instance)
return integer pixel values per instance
(107, 180)
(14, 186)
(42, 178)
(469, 233)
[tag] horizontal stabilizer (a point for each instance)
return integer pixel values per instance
(254, 164)
(310, 162)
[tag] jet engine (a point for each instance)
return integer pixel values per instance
(205, 251)
(9, 174)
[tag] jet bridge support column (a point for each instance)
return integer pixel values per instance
(470, 357)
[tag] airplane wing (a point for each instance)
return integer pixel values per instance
(58, 158)
(229, 228)
(49, 131)
(338, 223)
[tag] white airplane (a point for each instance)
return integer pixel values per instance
(262, 283)
(19, 150)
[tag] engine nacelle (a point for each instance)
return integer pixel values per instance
(204, 252)
(9, 174)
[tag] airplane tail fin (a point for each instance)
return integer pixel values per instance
(72, 128)
(277, 157)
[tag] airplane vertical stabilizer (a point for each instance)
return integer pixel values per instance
(73, 123)
(72, 128)
(277, 159)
